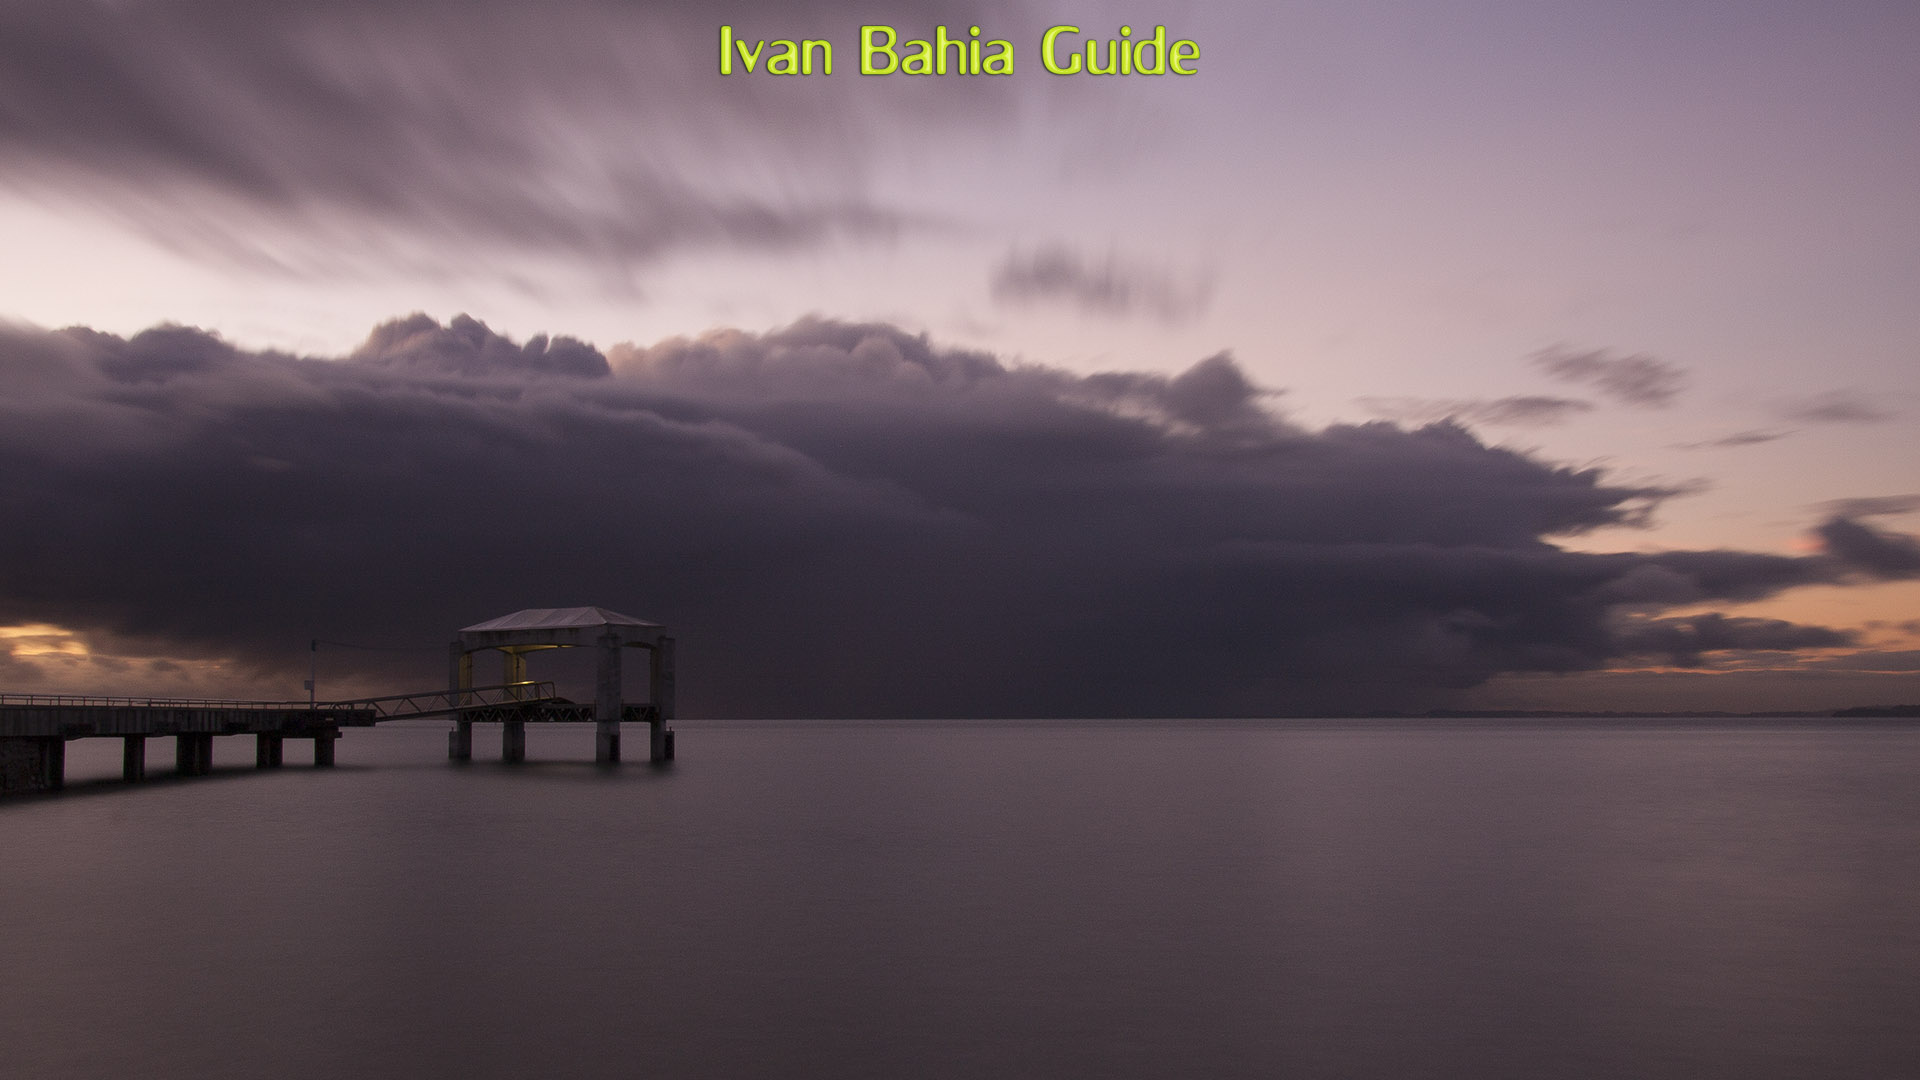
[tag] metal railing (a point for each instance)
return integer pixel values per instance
(392, 707)
(436, 702)
(165, 703)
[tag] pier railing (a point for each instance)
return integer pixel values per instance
(392, 707)
(155, 702)
(435, 703)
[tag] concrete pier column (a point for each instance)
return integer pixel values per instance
(460, 741)
(660, 690)
(32, 763)
(513, 671)
(607, 702)
(459, 673)
(660, 675)
(606, 743)
(193, 753)
(513, 740)
(54, 762)
(133, 758)
(323, 749)
(267, 750)
(22, 764)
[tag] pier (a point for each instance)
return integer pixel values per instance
(35, 728)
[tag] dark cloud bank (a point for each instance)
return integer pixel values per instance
(839, 520)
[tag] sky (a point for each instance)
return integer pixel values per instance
(1531, 355)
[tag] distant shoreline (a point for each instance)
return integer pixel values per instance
(1856, 712)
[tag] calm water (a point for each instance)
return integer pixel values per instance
(1122, 900)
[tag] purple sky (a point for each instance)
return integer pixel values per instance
(1077, 379)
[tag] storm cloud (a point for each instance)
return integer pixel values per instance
(838, 519)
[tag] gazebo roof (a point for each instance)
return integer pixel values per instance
(557, 618)
(559, 627)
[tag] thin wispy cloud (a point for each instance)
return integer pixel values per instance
(1527, 410)
(1892, 662)
(1687, 641)
(313, 136)
(1638, 379)
(1736, 440)
(1872, 506)
(1836, 407)
(1109, 286)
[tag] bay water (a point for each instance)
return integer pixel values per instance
(1447, 898)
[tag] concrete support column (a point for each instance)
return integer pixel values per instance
(323, 749)
(660, 675)
(193, 753)
(460, 741)
(267, 750)
(513, 670)
(513, 740)
(53, 757)
(459, 672)
(32, 763)
(660, 690)
(133, 758)
(607, 701)
(606, 743)
(21, 764)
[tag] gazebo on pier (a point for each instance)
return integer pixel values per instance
(537, 629)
